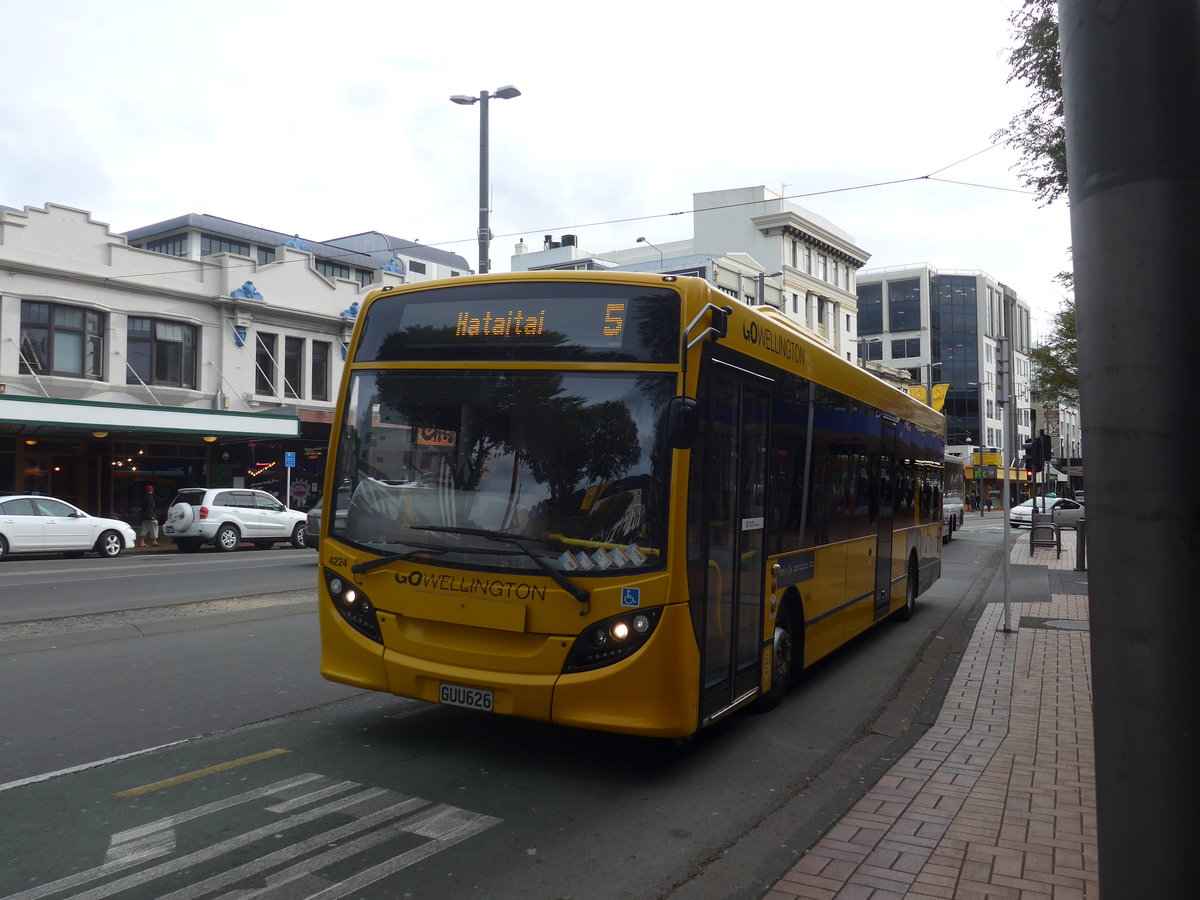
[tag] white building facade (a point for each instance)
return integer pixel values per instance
(197, 351)
(755, 246)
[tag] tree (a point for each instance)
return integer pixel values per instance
(1056, 361)
(1037, 131)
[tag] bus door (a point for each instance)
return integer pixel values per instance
(887, 493)
(734, 494)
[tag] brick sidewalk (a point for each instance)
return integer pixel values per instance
(998, 798)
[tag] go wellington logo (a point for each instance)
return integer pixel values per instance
(779, 343)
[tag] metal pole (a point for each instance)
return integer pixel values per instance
(1131, 73)
(1004, 398)
(485, 233)
(980, 469)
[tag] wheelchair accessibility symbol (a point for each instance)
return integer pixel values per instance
(631, 596)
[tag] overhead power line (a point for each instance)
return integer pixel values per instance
(666, 215)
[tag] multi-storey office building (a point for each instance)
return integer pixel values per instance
(197, 351)
(752, 244)
(942, 326)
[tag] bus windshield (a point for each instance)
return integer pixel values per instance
(458, 464)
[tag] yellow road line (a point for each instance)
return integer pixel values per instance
(200, 773)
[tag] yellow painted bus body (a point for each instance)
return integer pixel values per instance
(516, 647)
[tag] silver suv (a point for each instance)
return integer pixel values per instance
(224, 517)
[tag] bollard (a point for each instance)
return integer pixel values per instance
(1081, 545)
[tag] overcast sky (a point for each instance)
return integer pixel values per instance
(326, 119)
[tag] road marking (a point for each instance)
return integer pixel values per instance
(128, 848)
(200, 773)
(37, 779)
(366, 819)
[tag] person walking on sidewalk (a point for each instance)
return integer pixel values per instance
(149, 518)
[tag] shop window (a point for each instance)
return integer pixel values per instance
(57, 339)
(162, 352)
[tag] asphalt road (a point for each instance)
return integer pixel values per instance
(41, 587)
(202, 753)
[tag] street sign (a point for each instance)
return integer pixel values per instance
(289, 459)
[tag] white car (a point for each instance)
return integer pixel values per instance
(32, 523)
(224, 517)
(952, 516)
(1066, 513)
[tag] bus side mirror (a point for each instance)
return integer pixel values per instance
(683, 422)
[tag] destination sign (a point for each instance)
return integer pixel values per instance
(524, 321)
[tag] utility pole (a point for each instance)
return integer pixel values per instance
(1003, 395)
(1131, 86)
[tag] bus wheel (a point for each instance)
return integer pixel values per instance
(905, 612)
(783, 659)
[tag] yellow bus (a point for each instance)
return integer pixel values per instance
(615, 501)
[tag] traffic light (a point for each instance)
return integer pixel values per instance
(1030, 448)
(1044, 442)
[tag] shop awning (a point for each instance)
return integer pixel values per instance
(41, 414)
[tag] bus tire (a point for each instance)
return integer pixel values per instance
(905, 612)
(783, 659)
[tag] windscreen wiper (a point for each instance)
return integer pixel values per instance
(516, 540)
(396, 557)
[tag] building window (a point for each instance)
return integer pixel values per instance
(820, 310)
(293, 366)
(364, 276)
(176, 245)
(808, 259)
(211, 245)
(904, 305)
(264, 363)
(906, 348)
(870, 308)
(822, 266)
(795, 303)
(846, 278)
(332, 270)
(162, 352)
(57, 339)
(266, 255)
(847, 323)
(320, 370)
(834, 272)
(872, 349)
(795, 253)
(416, 267)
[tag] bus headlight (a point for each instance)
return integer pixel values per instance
(353, 606)
(611, 640)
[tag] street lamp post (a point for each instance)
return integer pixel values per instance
(642, 240)
(762, 286)
(863, 354)
(982, 386)
(485, 232)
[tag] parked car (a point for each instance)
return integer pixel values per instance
(312, 533)
(1079, 496)
(1066, 513)
(32, 523)
(952, 516)
(224, 517)
(312, 528)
